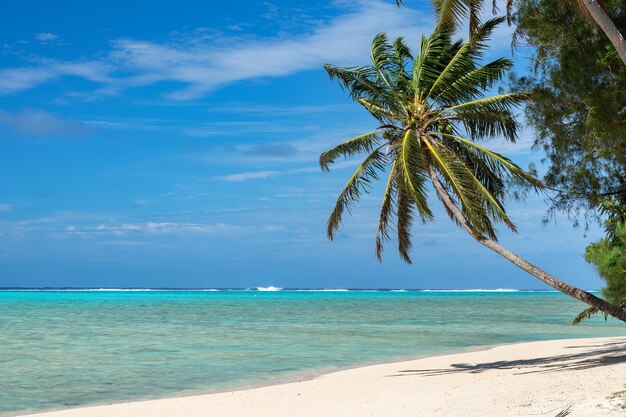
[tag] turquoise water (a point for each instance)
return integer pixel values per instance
(65, 349)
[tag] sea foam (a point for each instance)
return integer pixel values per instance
(270, 288)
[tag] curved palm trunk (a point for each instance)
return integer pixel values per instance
(552, 281)
(608, 27)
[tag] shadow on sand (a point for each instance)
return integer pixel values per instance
(592, 357)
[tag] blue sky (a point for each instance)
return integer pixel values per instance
(153, 144)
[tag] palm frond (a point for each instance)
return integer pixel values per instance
(451, 14)
(499, 163)
(386, 212)
(463, 59)
(380, 113)
(351, 147)
(402, 52)
(470, 85)
(410, 162)
(427, 64)
(464, 187)
(381, 52)
(488, 179)
(585, 315)
(359, 181)
(493, 124)
(489, 116)
(405, 215)
(360, 82)
(498, 102)
(386, 66)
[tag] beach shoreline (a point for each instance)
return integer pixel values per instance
(332, 393)
(302, 376)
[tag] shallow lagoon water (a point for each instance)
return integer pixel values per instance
(63, 349)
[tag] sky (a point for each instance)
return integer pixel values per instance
(159, 144)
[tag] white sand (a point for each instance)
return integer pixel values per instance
(528, 379)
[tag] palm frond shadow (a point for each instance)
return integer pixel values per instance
(610, 354)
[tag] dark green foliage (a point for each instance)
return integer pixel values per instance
(578, 106)
(608, 256)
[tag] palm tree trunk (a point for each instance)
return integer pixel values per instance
(552, 281)
(605, 23)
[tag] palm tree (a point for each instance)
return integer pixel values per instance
(431, 114)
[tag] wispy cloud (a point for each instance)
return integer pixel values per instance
(203, 65)
(46, 37)
(255, 175)
(13, 80)
(282, 150)
(65, 225)
(5, 207)
(156, 228)
(245, 176)
(275, 110)
(140, 202)
(237, 128)
(39, 122)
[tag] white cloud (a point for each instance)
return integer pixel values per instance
(245, 176)
(202, 64)
(158, 228)
(39, 122)
(255, 175)
(170, 227)
(46, 37)
(4, 207)
(204, 67)
(13, 80)
(130, 227)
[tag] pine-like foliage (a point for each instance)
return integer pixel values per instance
(608, 256)
(432, 109)
(578, 106)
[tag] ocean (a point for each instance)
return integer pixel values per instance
(69, 348)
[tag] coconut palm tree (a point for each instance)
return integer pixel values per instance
(432, 111)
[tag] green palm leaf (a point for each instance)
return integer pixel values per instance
(499, 162)
(409, 158)
(463, 60)
(405, 214)
(350, 148)
(358, 182)
(386, 212)
(470, 85)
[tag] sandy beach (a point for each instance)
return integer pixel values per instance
(526, 379)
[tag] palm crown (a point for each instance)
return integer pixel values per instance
(432, 109)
